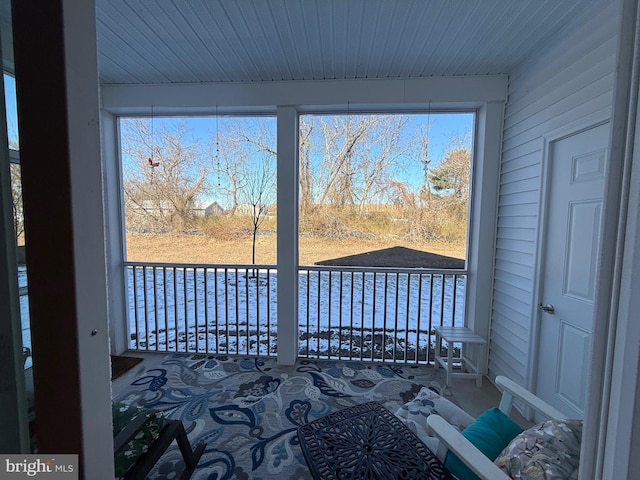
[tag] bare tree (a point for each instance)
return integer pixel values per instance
(243, 156)
(163, 177)
(16, 197)
(305, 172)
(231, 148)
(348, 160)
(258, 195)
(381, 154)
(16, 190)
(229, 165)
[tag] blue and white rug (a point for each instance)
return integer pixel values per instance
(248, 409)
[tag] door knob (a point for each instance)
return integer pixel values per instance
(548, 308)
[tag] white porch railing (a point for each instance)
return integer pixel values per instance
(353, 313)
(382, 314)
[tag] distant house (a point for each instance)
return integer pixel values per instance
(214, 209)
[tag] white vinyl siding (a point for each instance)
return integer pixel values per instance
(571, 79)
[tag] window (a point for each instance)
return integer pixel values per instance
(16, 204)
(383, 231)
(372, 182)
(200, 189)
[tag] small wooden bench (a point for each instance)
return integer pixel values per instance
(467, 338)
(141, 436)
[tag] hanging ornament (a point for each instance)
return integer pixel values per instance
(152, 164)
(217, 146)
(426, 160)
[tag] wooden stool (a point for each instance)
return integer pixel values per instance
(466, 337)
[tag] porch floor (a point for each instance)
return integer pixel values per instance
(247, 409)
(473, 400)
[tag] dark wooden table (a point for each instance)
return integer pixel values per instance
(366, 442)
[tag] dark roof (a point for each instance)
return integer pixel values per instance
(396, 257)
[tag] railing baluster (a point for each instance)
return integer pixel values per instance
(186, 310)
(351, 321)
(397, 306)
(362, 339)
(373, 315)
(257, 316)
(155, 308)
(308, 308)
(164, 306)
(269, 312)
(226, 302)
(206, 309)
(175, 307)
(406, 332)
(318, 317)
(419, 322)
(340, 319)
(196, 319)
(453, 300)
(255, 275)
(146, 314)
(134, 270)
(329, 305)
(216, 309)
(384, 316)
(431, 278)
(237, 349)
(176, 318)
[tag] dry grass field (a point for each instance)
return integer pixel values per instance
(177, 248)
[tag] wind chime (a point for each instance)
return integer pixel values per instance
(346, 167)
(426, 161)
(348, 126)
(217, 147)
(152, 164)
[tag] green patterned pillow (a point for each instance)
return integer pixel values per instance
(123, 414)
(549, 451)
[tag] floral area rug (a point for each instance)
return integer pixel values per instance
(248, 409)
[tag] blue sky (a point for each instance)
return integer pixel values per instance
(12, 109)
(442, 128)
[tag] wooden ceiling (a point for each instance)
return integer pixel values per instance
(195, 41)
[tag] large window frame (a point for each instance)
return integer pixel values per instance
(15, 433)
(483, 95)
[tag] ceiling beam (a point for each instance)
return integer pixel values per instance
(464, 93)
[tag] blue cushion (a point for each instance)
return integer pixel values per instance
(490, 433)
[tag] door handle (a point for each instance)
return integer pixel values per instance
(548, 308)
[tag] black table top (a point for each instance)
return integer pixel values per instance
(366, 442)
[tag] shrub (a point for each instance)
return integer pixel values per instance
(226, 228)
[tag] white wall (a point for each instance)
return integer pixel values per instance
(571, 79)
(83, 119)
(114, 233)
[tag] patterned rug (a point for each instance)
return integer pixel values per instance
(248, 409)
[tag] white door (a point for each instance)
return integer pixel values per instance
(573, 220)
